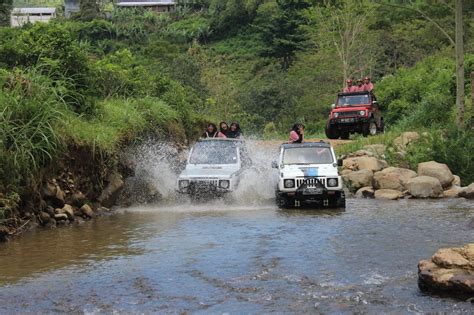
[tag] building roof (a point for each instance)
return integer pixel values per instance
(144, 3)
(33, 10)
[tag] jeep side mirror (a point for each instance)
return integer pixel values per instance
(374, 102)
(274, 164)
(339, 162)
(333, 106)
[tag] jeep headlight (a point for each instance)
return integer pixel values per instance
(183, 184)
(362, 113)
(332, 182)
(224, 184)
(335, 115)
(289, 183)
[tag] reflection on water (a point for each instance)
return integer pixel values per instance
(217, 258)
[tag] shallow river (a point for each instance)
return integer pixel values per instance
(213, 258)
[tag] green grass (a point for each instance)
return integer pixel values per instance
(117, 121)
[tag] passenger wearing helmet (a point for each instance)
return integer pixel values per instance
(349, 88)
(368, 85)
(360, 86)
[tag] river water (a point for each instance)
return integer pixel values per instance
(221, 258)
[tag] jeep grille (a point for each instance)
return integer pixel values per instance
(310, 183)
(348, 114)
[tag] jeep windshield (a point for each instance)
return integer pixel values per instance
(351, 100)
(219, 152)
(308, 155)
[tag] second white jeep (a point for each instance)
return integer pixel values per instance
(308, 174)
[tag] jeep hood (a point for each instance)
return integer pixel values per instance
(203, 170)
(290, 171)
(350, 108)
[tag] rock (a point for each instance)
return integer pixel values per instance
(467, 192)
(4, 232)
(50, 211)
(377, 150)
(346, 172)
(438, 170)
(44, 218)
(388, 194)
(103, 209)
(457, 181)
(69, 211)
(365, 192)
(449, 271)
(364, 163)
(450, 258)
(77, 199)
(393, 178)
(424, 187)
(110, 194)
(358, 179)
(471, 224)
(87, 211)
(453, 192)
(60, 216)
(48, 190)
(406, 138)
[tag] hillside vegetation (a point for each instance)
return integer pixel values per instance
(101, 82)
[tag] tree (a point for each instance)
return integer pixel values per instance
(280, 24)
(344, 28)
(5, 11)
(89, 10)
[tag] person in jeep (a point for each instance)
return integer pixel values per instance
(349, 88)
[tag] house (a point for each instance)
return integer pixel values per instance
(21, 16)
(156, 6)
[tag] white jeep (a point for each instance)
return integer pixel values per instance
(213, 167)
(308, 175)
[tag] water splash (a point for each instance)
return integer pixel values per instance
(157, 166)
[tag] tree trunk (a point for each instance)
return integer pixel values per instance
(459, 66)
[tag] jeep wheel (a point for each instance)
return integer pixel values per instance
(331, 133)
(369, 128)
(282, 202)
(345, 135)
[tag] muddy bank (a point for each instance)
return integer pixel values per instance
(83, 185)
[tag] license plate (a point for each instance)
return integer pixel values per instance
(312, 191)
(347, 120)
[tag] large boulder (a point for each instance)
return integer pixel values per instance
(388, 194)
(457, 180)
(393, 178)
(110, 194)
(365, 192)
(449, 271)
(424, 187)
(406, 138)
(467, 192)
(358, 179)
(364, 163)
(438, 170)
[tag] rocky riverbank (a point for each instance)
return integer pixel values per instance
(367, 174)
(77, 187)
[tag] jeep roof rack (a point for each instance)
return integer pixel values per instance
(320, 144)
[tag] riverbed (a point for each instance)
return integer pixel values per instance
(223, 258)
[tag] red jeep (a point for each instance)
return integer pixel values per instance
(354, 112)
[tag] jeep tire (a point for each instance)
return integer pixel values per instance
(369, 128)
(345, 135)
(332, 132)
